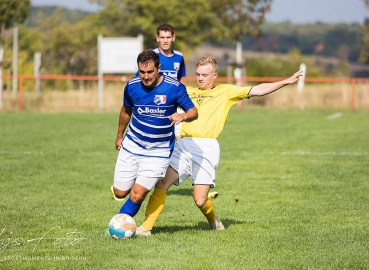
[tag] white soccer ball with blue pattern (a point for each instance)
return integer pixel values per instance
(122, 226)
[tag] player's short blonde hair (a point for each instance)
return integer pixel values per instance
(208, 60)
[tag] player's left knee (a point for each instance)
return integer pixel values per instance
(120, 194)
(200, 203)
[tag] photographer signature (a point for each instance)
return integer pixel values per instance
(69, 239)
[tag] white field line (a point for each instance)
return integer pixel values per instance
(40, 153)
(21, 153)
(306, 153)
(334, 116)
(333, 153)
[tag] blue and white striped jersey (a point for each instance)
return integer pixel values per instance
(150, 132)
(172, 66)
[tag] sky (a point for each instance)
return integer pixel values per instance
(295, 11)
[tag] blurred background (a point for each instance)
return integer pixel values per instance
(59, 38)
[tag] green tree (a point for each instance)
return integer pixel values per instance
(69, 48)
(342, 41)
(364, 56)
(13, 12)
(191, 18)
(195, 21)
(236, 19)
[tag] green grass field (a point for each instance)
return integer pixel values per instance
(293, 185)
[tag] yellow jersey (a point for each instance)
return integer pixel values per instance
(213, 108)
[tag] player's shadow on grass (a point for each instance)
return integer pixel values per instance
(180, 191)
(201, 226)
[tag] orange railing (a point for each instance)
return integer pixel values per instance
(21, 79)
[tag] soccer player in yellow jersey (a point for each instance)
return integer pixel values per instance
(197, 154)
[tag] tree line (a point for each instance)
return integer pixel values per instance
(67, 39)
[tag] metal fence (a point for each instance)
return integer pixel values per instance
(350, 93)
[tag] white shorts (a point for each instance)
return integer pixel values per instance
(131, 169)
(197, 158)
(177, 128)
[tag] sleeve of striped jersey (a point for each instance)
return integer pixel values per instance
(184, 100)
(127, 101)
(182, 70)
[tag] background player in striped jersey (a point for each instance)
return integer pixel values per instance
(197, 154)
(171, 61)
(149, 107)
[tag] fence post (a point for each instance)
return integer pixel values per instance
(352, 94)
(20, 93)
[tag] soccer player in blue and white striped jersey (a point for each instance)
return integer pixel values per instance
(171, 61)
(149, 110)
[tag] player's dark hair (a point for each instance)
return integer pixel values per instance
(165, 27)
(147, 56)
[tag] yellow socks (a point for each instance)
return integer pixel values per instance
(154, 207)
(208, 211)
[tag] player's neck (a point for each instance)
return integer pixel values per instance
(208, 88)
(159, 80)
(166, 52)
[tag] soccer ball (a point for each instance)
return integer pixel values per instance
(122, 226)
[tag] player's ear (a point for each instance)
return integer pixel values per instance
(174, 37)
(215, 75)
(159, 67)
(157, 38)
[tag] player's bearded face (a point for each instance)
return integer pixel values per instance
(149, 74)
(205, 76)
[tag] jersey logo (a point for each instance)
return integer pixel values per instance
(170, 74)
(176, 65)
(200, 99)
(160, 99)
(152, 111)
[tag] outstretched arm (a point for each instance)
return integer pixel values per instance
(267, 88)
(188, 116)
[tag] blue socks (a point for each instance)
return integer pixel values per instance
(130, 208)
